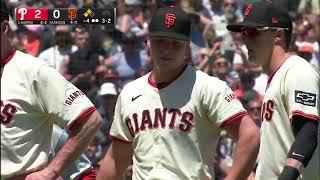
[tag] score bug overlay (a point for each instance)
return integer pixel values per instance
(72, 16)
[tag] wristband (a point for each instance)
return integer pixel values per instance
(289, 173)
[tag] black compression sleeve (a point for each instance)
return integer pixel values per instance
(289, 173)
(306, 132)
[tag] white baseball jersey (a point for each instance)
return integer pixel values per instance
(33, 96)
(292, 90)
(174, 128)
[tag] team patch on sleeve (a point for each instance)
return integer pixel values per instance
(308, 99)
(73, 96)
(229, 97)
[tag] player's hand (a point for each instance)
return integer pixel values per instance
(237, 48)
(215, 50)
(45, 174)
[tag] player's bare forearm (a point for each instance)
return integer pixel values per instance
(116, 160)
(76, 144)
(247, 133)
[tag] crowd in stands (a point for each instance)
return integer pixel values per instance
(100, 60)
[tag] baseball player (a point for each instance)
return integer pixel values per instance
(290, 110)
(167, 122)
(33, 96)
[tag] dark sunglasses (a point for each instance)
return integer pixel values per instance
(250, 32)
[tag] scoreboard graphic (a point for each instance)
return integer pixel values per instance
(71, 16)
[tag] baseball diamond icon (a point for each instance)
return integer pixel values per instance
(89, 12)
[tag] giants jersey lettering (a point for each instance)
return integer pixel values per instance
(33, 96)
(174, 129)
(293, 90)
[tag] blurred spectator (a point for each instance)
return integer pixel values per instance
(289, 5)
(199, 25)
(63, 46)
(234, 80)
(79, 67)
(111, 44)
(224, 155)
(260, 78)
(112, 77)
(132, 19)
(46, 38)
(309, 6)
(246, 86)
(108, 93)
(213, 49)
(254, 109)
(130, 61)
(98, 81)
(31, 39)
(202, 59)
(220, 21)
(305, 50)
(229, 8)
(150, 8)
(212, 7)
(206, 56)
(240, 56)
(94, 151)
(221, 68)
(103, 75)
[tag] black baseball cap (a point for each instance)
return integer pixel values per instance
(263, 14)
(4, 15)
(170, 22)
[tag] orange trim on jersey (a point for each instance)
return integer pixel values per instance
(113, 138)
(163, 85)
(274, 72)
(10, 56)
(309, 116)
(228, 121)
(80, 118)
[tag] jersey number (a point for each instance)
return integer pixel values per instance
(267, 110)
(7, 112)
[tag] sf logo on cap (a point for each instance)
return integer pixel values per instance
(170, 20)
(246, 13)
